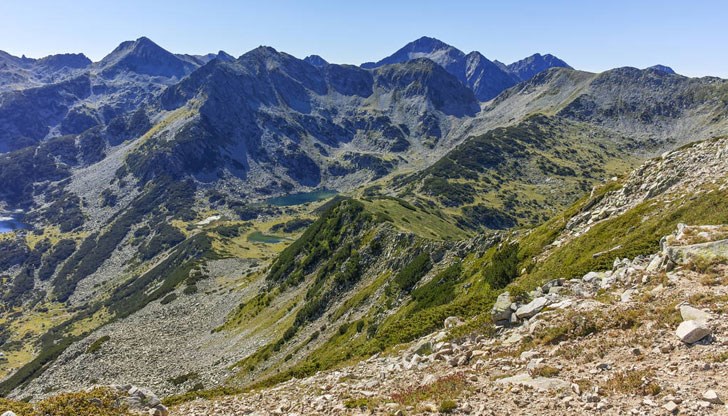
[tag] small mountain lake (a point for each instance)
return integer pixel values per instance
(301, 198)
(10, 223)
(258, 237)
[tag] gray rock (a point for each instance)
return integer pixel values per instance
(655, 264)
(690, 332)
(552, 284)
(502, 308)
(532, 308)
(689, 313)
(452, 322)
(9, 413)
(592, 276)
(670, 407)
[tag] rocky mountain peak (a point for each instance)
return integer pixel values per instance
(528, 67)
(424, 47)
(316, 61)
(143, 56)
(662, 68)
(224, 56)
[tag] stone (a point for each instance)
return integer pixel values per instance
(689, 313)
(501, 310)
(690, 332)
(592, 276)
(671, 407)
(514, 338)
(159, 410)
(592, 398)
(9, 413)
(655, 264)
(552, 284)
(452, 322)
(626, 296)
(532, 308)
(711, 396)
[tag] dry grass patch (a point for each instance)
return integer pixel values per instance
(444, 389)
(97, 402)
(640, 382)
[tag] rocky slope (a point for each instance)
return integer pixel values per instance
(601, 347)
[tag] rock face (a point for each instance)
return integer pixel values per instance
(691, 332)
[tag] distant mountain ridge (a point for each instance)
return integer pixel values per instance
(486, 78)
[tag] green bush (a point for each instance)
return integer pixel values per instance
(503, 267)
(410, 274)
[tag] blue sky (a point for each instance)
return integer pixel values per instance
(589, 35)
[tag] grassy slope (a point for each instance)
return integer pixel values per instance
(519, 175)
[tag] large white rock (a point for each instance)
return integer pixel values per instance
(692, 331)
(689, 313)
(532, 308)
(8, 413)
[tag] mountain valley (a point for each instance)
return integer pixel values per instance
(432, 232)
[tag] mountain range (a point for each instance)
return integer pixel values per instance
(181, 208)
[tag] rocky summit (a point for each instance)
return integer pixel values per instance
(435, 232)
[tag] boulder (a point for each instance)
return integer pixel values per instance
(592, 276)
(502, 309)
(9, 413)
(532, 308)
(690, 332)
(711, 396)
(689, 313)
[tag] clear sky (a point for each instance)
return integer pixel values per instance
(689, 36)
